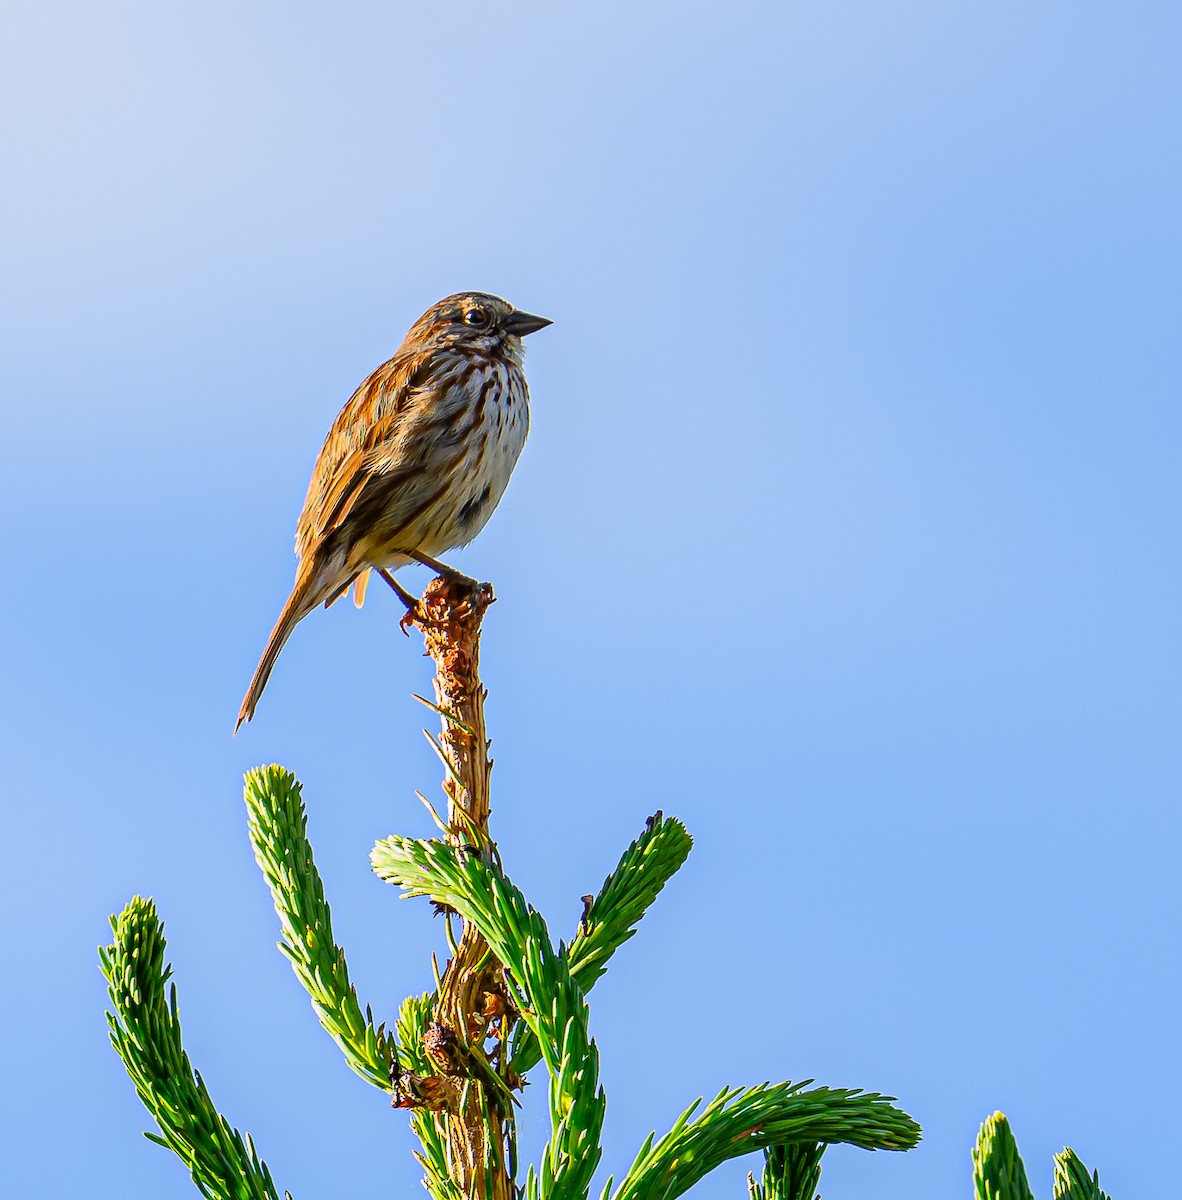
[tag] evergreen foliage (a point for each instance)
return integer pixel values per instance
(526, 1002)
(146, 1033)
(998, 1173)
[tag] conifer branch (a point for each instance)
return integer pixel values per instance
(278, 827)
(611, 919)
(740, 1120)
(790, 1172)
(643, 870)
(998, 1173)
(1072, 1181)
(146, 1033)
(550, 1002)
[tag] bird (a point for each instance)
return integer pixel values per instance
(414, 463)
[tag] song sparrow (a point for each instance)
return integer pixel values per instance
(417, 460)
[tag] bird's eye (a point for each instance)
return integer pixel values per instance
(476, 317)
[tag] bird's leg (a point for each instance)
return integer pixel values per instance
(411, 602)
(441, 568)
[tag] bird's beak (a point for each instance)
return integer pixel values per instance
(521, 323)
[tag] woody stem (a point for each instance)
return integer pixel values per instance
(479, 1133)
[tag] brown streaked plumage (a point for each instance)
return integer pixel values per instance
(416, 461)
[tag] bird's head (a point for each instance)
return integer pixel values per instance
(476, 322)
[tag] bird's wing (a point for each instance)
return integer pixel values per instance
(370, 419)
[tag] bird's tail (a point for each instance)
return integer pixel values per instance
(309, 590)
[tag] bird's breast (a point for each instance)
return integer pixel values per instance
(499, 429)
(481, 439)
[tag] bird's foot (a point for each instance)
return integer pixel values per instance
(449, 594)
(449, 598)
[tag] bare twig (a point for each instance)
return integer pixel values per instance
(476, 1118)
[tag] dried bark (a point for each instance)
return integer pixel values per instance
(471, 1003)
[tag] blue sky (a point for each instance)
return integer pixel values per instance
(847, 532)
